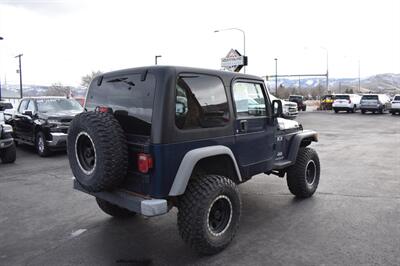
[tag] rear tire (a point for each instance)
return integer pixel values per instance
(363, 111)
(303, 176)
(336, 111)
(114, 210)
(9, 155)
(209, 213)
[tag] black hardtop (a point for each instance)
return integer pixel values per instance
(175, 70)
(163, 129)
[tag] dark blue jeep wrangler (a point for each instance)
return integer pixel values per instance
(154, 138)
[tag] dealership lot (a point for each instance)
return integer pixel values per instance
(352, 219)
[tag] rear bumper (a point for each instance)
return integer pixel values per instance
(130, 201)
(5, 143)
(58, 140)
(370, 108)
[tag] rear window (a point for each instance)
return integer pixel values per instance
(295, 97)
(370, 97)
(342, 97)
(124, 93)
(397, 98)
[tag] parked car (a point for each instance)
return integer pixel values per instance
(8, 153)
(374, 103)
(346, 102)
(154, 138)
(395, 105)
(327, 101)
(289, 109)
(43, 122)
(301, 105)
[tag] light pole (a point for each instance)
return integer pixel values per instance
(327, 67)
(1, 38)
(20, 74)
(276, 76)
(244, 41)
(156, 57)
(359, 77)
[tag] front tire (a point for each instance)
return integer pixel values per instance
(336, 111)
(9, 155)
(303, 176)
(209, 213)
(41, 145)
(114, 210)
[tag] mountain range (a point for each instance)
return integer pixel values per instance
(382, 83)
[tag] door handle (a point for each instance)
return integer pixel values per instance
(243, 125)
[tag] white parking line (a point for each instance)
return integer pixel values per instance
(78, 232)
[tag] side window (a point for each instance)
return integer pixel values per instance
(249, 100)
(201, 102)
(22, 106)
(31, 106)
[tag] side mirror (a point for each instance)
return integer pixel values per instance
(276, 108)
(28, 113)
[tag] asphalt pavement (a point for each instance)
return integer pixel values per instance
(353, 219)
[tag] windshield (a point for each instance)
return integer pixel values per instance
(57, 105)
(397, 98)
(342, 97)
(370, 97)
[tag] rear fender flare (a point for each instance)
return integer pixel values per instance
(190, 160)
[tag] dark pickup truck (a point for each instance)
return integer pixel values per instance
(43, 122)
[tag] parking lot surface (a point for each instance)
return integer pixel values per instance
(353, 219)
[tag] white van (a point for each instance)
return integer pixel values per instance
(346, 102)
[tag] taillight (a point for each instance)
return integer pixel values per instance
(145, 162)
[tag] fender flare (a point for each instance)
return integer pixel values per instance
(296, 142)
(190, 160)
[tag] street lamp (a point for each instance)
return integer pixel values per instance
(156, 57)
(244, 41)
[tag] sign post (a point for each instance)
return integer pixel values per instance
(233, 61)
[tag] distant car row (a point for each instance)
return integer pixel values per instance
(375, 103)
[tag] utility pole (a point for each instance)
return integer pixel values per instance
(276, 77)
(20, 74)
(156, 57)
(359, 78)
(1, 38)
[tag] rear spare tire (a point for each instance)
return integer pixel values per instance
(97, 151)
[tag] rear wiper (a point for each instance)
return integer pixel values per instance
(130, 83)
